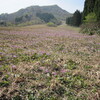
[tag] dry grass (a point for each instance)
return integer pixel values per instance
(49, 63)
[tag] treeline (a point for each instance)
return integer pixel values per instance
(23, 18)
(28, 19)
(75, 20)
(89, 19)
(92, 6)
(48, 18)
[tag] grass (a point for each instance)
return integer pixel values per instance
(48, 63)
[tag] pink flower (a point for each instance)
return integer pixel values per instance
(13, 66)
(63, 71)
(14, 56)
(42, 52)
(42, 68)
(0, 65)
(54, 73)
(46, 70)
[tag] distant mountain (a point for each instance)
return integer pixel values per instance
(58, 12)
(30, 13)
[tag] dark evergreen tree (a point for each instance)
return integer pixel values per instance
(18, 19)
(77, 18)
(88, 7)
(69, 21)
(45, 16)
(3, 23)
(91, 17)
(97, 9)
(92, 6)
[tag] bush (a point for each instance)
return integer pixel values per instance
(91, 17)
(51, 24)
(3, 23)
(90, 28)
(33, 22)
(55, 21)
(90, 25)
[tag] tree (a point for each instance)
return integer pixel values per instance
(88, 7)
(92, 6)
(45, 16)
(75, 20)
(69, 21)
(3, 23)
(90, 18)
(18, 19)
(97, 9)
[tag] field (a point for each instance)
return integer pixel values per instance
(49, 63)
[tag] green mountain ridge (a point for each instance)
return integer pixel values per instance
(31, 12)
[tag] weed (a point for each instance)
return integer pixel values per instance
(4, 83)
(87, 67)
(71, 65)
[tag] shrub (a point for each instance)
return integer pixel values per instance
(90, 28)
(51, 24)
(91, 17)
(90, 24)
(3, 23)
(33, 22)
(55, 21)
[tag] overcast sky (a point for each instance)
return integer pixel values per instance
(10, 6)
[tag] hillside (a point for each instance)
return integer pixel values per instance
(31, 12)
(91, 17)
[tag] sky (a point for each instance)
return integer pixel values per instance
(10, 6)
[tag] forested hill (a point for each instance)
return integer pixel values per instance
(91, 17)
(29, 13)
(92, 6)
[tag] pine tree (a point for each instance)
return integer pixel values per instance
(69, 21)
(88, 7)
(77, 18)
(97, 9)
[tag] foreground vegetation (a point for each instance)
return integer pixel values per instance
(48, 63)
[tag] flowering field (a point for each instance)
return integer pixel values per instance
(49, 63)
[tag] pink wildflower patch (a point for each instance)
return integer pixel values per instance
(46, 70)
(14, 56)
(14, 67)
(42, 68)
(0, 65)
(63, 71)
(54, 73)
